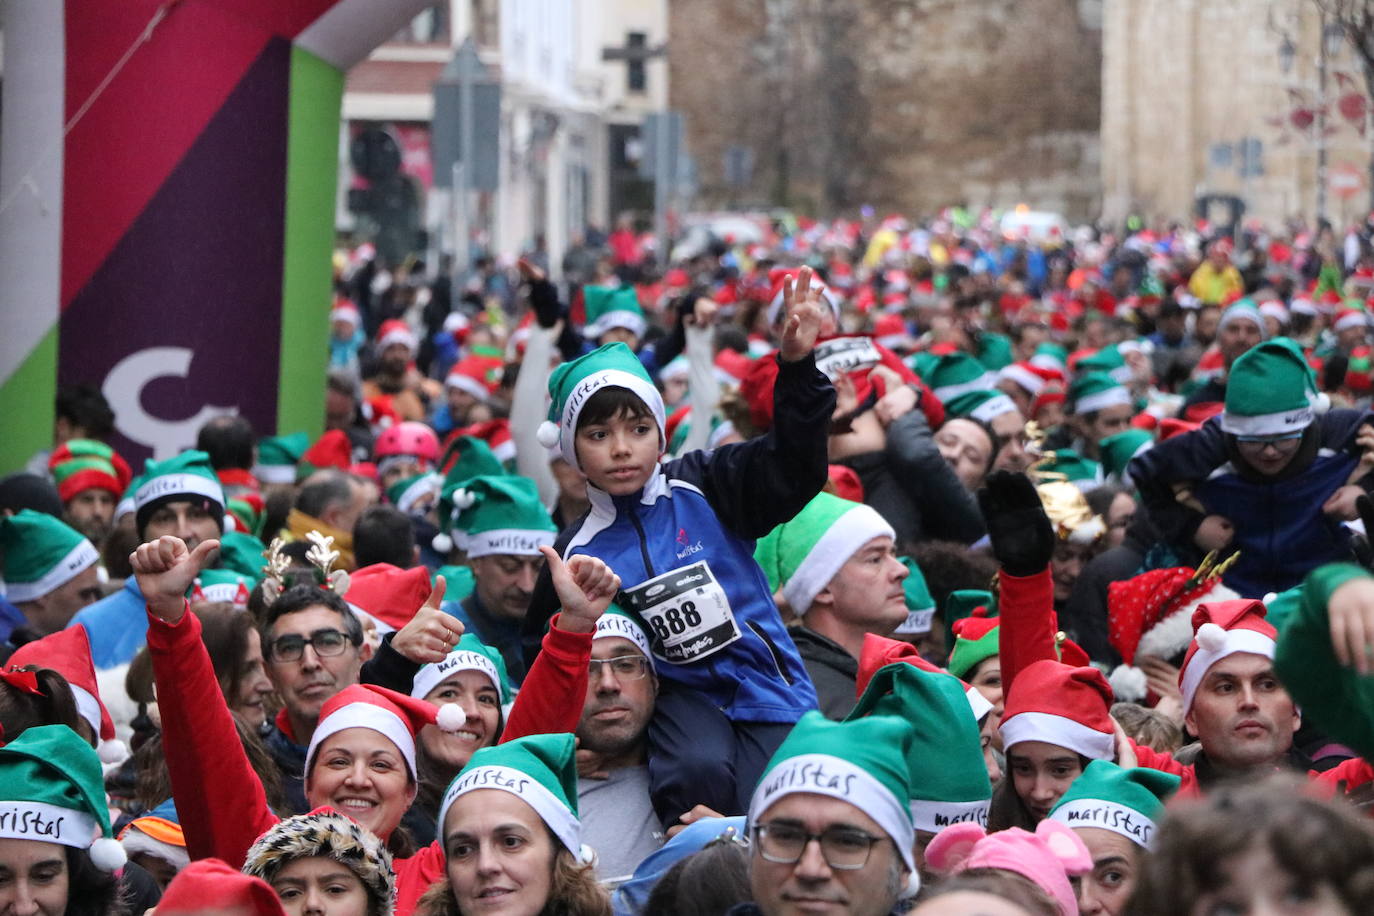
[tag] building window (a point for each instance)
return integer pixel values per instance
(636, 69)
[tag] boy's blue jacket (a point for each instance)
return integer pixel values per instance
(1280, 528)
(710, 507)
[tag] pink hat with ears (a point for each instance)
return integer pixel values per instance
(1046, 857)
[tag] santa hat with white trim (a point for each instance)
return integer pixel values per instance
(573, 384)
(1271, 391)
(1129, 802)
(471, 654)
(1063, 705)
(863, 762)
(1222, 629)
(948, 778)
(616, 623)
(396, 331)
(806, 552)
(540, 770)
(390, 595)
(68, 652)
(610, 307)
(1242, 310)
(1152, 615)
(390, 714)
(501, 515)
(1030, 377)
(1094, 391)
(52, 790)
(1350, 318)
(40, 553)
(958, 373)
(344, 310)
(776, 277)
(188, 477)
(478, 373)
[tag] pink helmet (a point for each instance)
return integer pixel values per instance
(409, 438)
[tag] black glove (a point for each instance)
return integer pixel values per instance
(544, 301)
(1021, 534)
(1360, 543)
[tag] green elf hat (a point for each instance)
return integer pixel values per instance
(1271, 391)
(803, 555)
(540, 770)
(920, 606)
(965, 602)
(278, 457)
(1124, 801)
(501, 515)
(41, 553)
(458, 581)
(1108, 360)
(188, 476)
(241, 553)
(616, 623)
(466, 457)
(1118, 450)
(572, 384)
(923, 363)
(51, 789)
(1050, 356)
(1066, 465)
(1243, 310)
(471, 654)
(982, 406)
(408, 493)
(959, 373)
(222, 585)
(975, 639)
(949, 781)
(610, 307)
(1094, 391)
(862, 762)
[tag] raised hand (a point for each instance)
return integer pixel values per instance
(1021, 534)
(431, 634)
(585, 587)
(1351, 615)
(165, 569)
(801, 305)
(543, 296)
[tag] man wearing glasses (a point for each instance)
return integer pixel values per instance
(1274, 476)
(618, 818)
(829, 824)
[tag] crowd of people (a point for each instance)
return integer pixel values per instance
(880, 567)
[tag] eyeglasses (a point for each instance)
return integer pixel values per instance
(844, 848)
(291, 647)
(624, 667)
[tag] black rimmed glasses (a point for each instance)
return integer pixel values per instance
(291, 647)
(624, 667)
(843, 848)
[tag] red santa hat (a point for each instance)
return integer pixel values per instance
(212, 885)
(396, 331)
(392, 715)
(1221, 629)
(477, 374)
(1172, 426)
(775, 279)
(496, 434)
(1152, 615)
(331, 450)
(68, 652)
(1350, 318)
(1031, 377)
(457, 325)
(731, 366)
(845, 483)
(388, 594)
(1053, 394)
(879, 652)
(1063, 705)
(891, 331)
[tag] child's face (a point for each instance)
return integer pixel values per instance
(619, 455)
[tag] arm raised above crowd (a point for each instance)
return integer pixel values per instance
(220, 802)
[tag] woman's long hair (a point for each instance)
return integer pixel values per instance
(574, 891)
(90, 891)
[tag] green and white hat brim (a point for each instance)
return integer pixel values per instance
(842, 540)
(29, 820)
(516, 541)
(934, 816)
(566, 439)
(77, 560)
(275, 473)
(1101, 400)
(431, 676)
(1107, 815)
(1060, 731)
(551, 811)
(620, 318)
(992, 408)
(424, 485)
(835, 777)
(609, 625)
(166, 485)
(985, 382)
(1269, 424)
(916, 623)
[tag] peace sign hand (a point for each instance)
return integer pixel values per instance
(801, 304)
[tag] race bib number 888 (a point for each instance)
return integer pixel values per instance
(687, 612)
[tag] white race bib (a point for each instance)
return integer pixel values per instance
(687, 612)
(846, 354)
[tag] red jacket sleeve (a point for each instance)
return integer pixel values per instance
(219, 798)
(1025, 607)
(555, 689)
(1347, 775)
